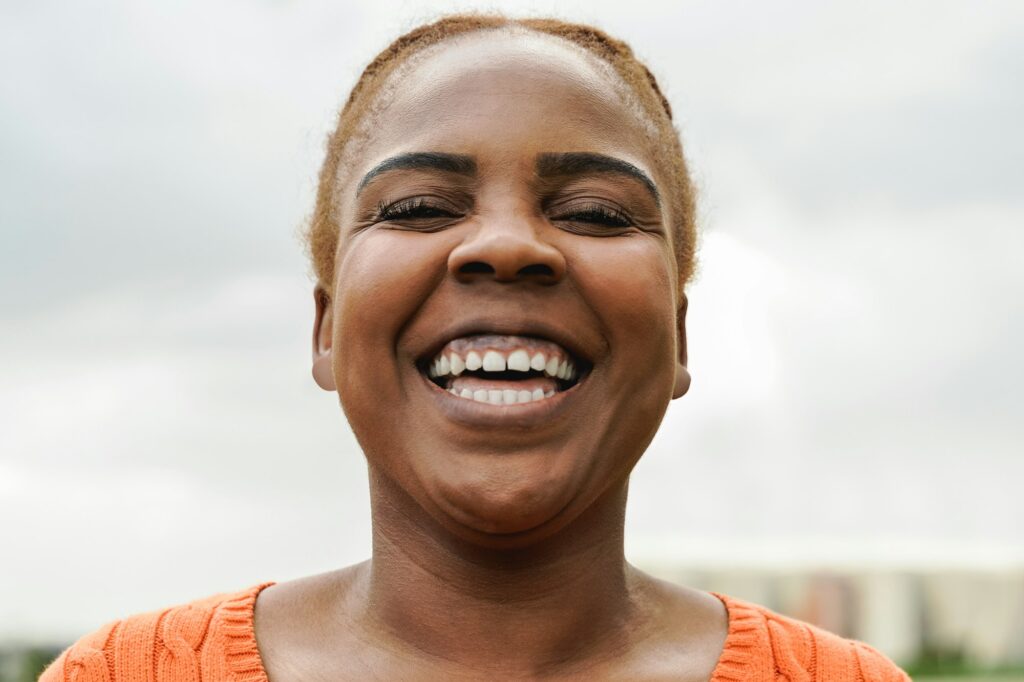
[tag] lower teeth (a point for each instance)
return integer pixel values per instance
(502, 397)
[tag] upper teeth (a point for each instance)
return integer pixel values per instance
(518, 360)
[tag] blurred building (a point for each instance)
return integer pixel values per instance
(911, 613)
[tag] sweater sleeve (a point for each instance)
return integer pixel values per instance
(875, 665)
(55, 671)
(766, 646)
(836, 658)
(85, 660)
(163, 645)
(210, 640)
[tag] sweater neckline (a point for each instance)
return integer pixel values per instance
(243, 653)
(241, 650)
(740, 642)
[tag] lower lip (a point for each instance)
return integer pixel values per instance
(483, 415)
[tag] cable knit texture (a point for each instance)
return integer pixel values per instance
(763, 646)
(213, 640)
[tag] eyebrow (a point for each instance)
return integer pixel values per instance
(459, 164)
(582, 163)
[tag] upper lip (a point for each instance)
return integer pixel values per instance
(509, 327)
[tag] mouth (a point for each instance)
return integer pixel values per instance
(504, 369)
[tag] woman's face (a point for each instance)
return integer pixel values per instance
(506, 325)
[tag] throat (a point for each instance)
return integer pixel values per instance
(525, 623)
(504, 613)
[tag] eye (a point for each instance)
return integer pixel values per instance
(415, 210)
(594, 215)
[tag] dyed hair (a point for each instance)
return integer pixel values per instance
(322, 232)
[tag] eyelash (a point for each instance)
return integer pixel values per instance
(421, 208)
(417, 207)
(597, 213)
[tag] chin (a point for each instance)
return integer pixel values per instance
(495, 512)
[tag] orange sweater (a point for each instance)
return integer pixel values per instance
(212, 640)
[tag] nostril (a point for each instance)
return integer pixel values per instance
(476, 268)
(536, 269)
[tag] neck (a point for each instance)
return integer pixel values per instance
(552, 605)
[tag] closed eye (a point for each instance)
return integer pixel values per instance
(414, 208)
(593, 213)
(599, 214)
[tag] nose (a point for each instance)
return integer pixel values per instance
(507, 250)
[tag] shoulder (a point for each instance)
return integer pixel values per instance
(765, 645)
(293, 618)
(207, 639)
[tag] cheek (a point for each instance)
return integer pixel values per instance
(382, 278)
(629, 284)
(628, 281)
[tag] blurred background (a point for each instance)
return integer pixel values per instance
(850, 452)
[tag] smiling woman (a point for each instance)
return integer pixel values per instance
(503, 234)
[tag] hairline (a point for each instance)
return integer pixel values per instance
(378, 101)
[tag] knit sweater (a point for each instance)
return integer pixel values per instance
(212, 640)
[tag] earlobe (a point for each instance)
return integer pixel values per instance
(682, 379)
(323, 372)
(323, 355)
(682, 384)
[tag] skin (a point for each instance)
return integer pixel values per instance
(498, 535)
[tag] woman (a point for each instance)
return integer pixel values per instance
(503, 232)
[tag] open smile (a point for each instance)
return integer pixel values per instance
(504, 369)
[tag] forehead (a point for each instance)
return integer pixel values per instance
(503, 97)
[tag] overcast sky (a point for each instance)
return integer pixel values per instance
(855, 330)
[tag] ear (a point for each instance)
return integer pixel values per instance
(323, 358)
(682, 384)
